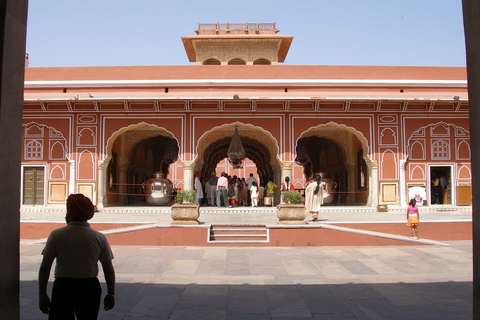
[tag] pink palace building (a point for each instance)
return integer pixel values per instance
(383, 134)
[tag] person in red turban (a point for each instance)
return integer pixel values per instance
(80, 207)
(77, 249)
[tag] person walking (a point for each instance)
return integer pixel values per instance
(249, 187)
(254, 194)
(222, 185)
(77, 249)
(314, 197)
(213, 188)
(413, 217)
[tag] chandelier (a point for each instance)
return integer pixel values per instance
(236, 151)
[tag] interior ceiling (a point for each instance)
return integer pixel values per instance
(254, 150)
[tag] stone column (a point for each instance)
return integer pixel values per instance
(71, 184)
(278, 172)
(187, 175)
(13, 28)
(403, 187)
(102, 184)
(372, 166)
(286, 170)
(351, 183)
(122, 180)
(471, 22)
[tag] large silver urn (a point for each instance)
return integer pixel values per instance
(158, 190)
(329, 188)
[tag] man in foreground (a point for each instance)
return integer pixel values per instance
(77, 249)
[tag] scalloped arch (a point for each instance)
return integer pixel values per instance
(155, 132)
(315, 130)
(259, 134)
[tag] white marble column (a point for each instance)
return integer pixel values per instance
(71, 184)
(372, 166)
(403, 187)
(187, 175)
(286, 170)
(102, 184)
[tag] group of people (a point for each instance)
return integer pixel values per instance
(226, 190)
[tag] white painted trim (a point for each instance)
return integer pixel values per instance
(246, 82)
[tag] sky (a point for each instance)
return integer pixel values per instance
(326, 32)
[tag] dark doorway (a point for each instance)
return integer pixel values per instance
(321, 155)
(440, 185)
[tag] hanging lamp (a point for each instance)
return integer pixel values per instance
(236, 151)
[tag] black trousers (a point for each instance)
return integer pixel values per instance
(75, 297)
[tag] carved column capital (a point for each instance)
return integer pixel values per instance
(286, 165)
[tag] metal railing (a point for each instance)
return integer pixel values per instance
(225, 28)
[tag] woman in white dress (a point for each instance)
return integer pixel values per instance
(314, 197)
(199, 189)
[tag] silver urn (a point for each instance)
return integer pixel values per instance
(158, 190)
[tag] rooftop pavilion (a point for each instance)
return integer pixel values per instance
(237, 44)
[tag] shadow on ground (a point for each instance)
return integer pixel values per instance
(140, 301)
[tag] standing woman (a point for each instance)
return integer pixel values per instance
(198, 187)
(244, 192)
(231, 191)
(314, 197)
(413, 217)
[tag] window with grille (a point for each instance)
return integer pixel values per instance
(34, 150)
(440, 150)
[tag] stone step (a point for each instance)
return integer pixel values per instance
(238, 233)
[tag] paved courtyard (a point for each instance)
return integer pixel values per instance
(402, 282)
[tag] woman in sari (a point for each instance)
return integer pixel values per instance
(314, 197)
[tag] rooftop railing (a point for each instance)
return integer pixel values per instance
(236, 28)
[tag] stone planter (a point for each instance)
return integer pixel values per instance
(382, 208)
(291, 213)
(185, 213)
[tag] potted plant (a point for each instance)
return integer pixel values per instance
(186, 196)
(185, 211)
(291, 212)
(291, 197)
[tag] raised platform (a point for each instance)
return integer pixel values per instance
(344, 226)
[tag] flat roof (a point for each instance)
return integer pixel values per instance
(235, 72)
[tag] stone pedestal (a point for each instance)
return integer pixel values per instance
(185, 214)
(291, 214)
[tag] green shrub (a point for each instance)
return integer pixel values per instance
(291, 196)
(186, 196)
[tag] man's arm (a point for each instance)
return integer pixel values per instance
(109, 273)
(43, 275)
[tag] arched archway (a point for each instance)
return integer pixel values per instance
(135, 153)
(341, 153)
(260, 147)
(237, 61)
